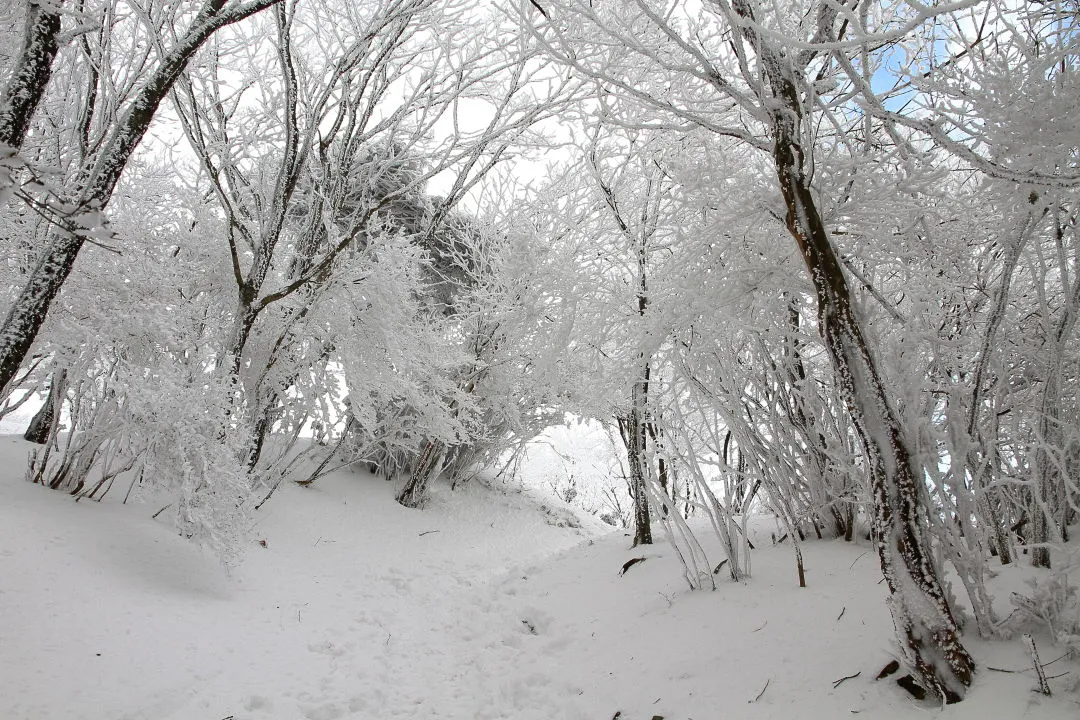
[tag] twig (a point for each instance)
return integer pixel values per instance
(427, 532)
(154, 516)
(842, 611)
(762, 625)
(836, 683)
(762, 691)
(1061, 657)
(1045, 664)
(857, 559)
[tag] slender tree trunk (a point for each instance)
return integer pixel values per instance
(426, 469)
(919, 606)
(636, 456)
(1051, 496)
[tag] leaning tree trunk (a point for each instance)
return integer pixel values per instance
(41, 424)
(924, 622)
(921, 613)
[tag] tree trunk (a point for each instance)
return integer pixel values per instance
(31, 72)
(920, 610)
(427, 468)
(638, 461)
(41, 425)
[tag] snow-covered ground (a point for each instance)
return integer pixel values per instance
(489, 603)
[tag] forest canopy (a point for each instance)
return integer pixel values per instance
(814, 255)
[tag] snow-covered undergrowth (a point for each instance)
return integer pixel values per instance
(488, 603)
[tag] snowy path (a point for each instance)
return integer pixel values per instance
(356, 608)
(477, 608)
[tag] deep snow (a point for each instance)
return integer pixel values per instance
(488, 603)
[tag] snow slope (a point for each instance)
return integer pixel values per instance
(486, 604)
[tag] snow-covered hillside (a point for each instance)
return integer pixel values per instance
(488, 603)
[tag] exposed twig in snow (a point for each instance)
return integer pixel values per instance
(154, 516)
(762, 689)
(857, 559)
(842, 611)
(427, 532)
(762, 626)
(836, 683)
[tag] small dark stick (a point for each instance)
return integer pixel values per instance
(542, 10)
(836, 683)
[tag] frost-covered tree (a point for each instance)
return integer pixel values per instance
(126, 88)
(752, 73)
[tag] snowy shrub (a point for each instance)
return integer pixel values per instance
(1053, 604)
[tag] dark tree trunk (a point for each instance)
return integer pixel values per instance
(41, 425)
(920, 610)
(31, 72)
(636, 455)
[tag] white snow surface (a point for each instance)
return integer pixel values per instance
(487, 603)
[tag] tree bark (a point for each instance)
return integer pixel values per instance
(32, 71)
(428, 466)
(638, 460)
